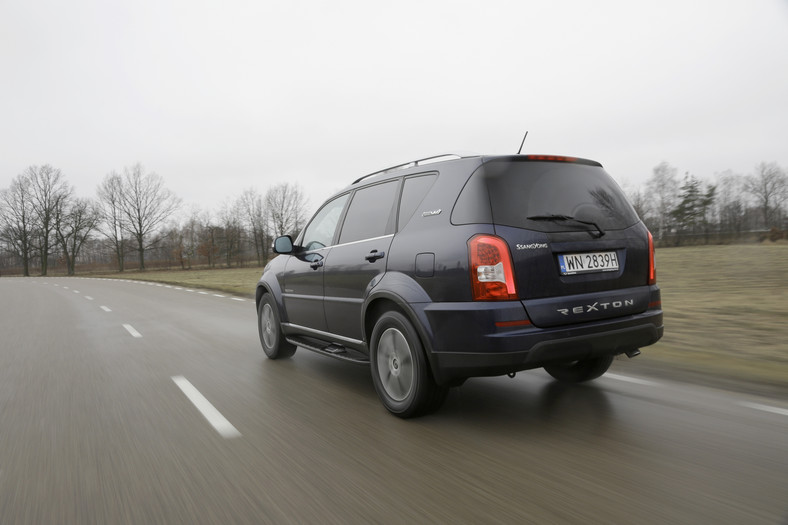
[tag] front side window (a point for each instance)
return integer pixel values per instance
(369, 214)
(321, 230)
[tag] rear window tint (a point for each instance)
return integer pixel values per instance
(506, 193)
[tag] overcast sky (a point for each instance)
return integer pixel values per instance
(220, 96)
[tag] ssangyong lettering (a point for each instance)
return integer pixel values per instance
(596, 307)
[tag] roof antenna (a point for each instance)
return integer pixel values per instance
(521, 144)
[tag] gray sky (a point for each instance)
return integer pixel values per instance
(217, 97)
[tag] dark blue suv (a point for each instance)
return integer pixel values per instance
(453, 267)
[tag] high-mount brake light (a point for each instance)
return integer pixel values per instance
(492, 271)
(551, 158)
(652, 267)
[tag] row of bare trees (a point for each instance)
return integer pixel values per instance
(678, 210)
(133, 205)
(240, 232)
(134, 217)
(40, 216)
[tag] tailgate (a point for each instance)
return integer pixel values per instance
(570, 277)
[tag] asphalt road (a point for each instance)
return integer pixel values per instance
(124, 402)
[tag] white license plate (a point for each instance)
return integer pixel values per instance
(574, 263)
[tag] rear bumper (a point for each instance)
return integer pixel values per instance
(465, 341)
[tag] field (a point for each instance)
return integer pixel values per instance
(237, 281)
(726, 310)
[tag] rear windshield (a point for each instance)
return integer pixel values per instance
(507, 192)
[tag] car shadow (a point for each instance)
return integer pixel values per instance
(530, 402)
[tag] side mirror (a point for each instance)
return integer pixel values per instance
(283, 244)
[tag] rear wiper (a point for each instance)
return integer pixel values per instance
(567, 218)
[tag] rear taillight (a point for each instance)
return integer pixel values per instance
(652, 267)
(492, 274)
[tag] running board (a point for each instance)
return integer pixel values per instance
(331, 350)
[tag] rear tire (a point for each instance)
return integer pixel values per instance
(270, 330)
(579, 371)
(400, 371)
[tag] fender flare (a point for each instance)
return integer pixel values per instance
(409, 293)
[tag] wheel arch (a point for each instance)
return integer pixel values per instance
(383, 300)
(270, 286)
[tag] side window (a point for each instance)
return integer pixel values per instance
(412, 194)
(369, 212)
(321, 230)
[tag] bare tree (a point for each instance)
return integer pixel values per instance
(731, 205)
(191, 237)
(663, 189)
(74, 222)
(251, 206)
(48, 189)
(285, 206)
(146, 204)
(16, 219)
(113, 221)
(640, 202)
(171, 246)
(769, 186)
(209, 243)
(230, 231)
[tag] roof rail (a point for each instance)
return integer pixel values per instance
(413, 163)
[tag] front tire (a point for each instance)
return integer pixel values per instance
(270, 330)
(580, 371)
(400, 370)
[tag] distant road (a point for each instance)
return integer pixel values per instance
(127, 402)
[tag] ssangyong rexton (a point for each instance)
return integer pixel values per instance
(454, 267)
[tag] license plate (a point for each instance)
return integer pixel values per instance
(574, 263)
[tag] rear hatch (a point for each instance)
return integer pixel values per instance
(580, 252)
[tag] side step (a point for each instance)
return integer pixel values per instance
(331, 350)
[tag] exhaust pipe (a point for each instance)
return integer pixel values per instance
(632, 353)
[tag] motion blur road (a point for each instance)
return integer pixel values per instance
(125, 402)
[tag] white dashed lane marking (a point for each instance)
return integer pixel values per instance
(764, 408)
(209, 412)
(105, 308)
(130, 329)
(634, 380)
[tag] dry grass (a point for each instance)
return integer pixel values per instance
(726, 308)
(237, 281)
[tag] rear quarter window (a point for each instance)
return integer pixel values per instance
(413, 192)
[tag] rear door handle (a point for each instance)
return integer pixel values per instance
(374, 255)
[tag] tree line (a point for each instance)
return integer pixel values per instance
(133, 222)
(689, 210)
